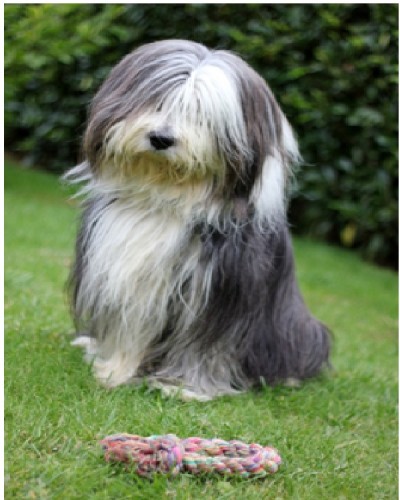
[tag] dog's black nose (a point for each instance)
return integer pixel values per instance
(161, 140)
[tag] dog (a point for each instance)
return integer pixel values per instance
(184, 272)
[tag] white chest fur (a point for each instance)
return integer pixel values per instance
(138, 259)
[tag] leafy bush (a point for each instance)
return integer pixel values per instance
(333, 68)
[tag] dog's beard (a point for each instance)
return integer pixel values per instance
(155, 169)
(127, 153)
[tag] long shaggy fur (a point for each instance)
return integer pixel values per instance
(184, 268)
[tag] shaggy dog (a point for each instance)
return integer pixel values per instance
(184, 270)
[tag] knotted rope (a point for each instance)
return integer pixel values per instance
(169, 454)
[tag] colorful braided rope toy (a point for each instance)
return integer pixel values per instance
(170, 455)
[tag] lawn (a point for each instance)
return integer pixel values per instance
(337, 434)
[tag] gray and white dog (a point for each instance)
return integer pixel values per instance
(184, 270)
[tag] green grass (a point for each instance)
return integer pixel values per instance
(337, 434)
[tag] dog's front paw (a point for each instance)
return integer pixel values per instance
(114, 371)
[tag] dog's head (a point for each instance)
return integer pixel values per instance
(177, 111)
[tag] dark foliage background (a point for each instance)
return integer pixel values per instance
(332, 67)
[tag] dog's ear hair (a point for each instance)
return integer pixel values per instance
(269, 134)
(117, 98)
(262, 119)
(106, 109)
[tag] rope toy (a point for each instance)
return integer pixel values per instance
(168, 454)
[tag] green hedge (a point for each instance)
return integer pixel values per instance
(333, 68)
